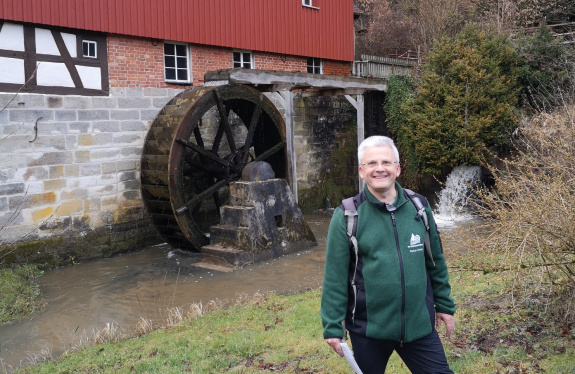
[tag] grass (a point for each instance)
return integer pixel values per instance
(282, 333)
(19, 293)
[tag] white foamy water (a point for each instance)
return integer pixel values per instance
(452, 205)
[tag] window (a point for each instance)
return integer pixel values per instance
(310, 3)
(243, 60)
(89, 48)
(314, 65)
(176, 63)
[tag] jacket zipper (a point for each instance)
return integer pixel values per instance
(402, 279)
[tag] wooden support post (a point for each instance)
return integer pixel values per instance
(285, 98)
(358, 104)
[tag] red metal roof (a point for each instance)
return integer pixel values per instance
(280, 26)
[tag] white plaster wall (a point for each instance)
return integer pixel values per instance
(70, 42)
(53, 74)
(45, 43)
(12, 37)
(12, 70)
(90, 76)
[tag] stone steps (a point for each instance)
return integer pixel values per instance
(261, 221)
(220, 258)
(236, 215)
(214, 267)
(226, 235)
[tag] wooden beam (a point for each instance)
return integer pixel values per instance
(295, 80)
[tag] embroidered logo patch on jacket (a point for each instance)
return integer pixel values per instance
(415, 244)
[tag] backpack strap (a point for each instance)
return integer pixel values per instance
(423, 216)
(350, 212)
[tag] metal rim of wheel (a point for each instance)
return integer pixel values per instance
(200, 142)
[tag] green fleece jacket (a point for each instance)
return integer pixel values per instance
(397, 286)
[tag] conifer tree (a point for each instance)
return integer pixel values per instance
(464, 107)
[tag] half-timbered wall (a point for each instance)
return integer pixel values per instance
(51, 60)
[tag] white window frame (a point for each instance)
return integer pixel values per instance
(308, 4)
(90, 43)
(242, 60)
(314, 66)
(176, 57)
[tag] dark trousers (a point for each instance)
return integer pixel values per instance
(422, 356)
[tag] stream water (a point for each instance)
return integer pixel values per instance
(83, 298)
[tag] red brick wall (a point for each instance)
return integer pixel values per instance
(272, 61)
(208, 58)
(136, 62)
(331, 67)
(139, 62)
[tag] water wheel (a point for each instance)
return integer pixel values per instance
(199, 143)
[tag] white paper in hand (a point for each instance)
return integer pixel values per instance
(348, 355)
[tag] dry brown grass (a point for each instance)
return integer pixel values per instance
(529, 216)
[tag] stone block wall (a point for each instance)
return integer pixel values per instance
(320, 125)
(71, 163)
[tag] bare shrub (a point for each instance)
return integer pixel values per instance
(530, 215)
(175, 316)
(396, 27)
(111, 333)
(143, 327)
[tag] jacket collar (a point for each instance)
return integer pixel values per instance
(400, 199)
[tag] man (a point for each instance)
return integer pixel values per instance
(400, 291)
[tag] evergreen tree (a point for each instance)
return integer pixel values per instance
(463, 110)
(400, 90)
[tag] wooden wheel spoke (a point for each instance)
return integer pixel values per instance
(270, 151)
(217, 201)
(252, 128)
(199, 141)
(204, 167)
(219, 134)
(197, 199)
(202, 152)
(225, 122)
(198, 137)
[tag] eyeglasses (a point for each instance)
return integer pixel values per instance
(374, 164)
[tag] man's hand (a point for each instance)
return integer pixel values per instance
(448, 320)
(335, 344)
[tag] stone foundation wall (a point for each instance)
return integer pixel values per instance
(69, 175)
(70, 164)
(321, 125)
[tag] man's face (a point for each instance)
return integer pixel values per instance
(379, 178)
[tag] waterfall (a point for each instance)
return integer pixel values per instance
(452, 203)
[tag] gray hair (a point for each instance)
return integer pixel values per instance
(377, 141)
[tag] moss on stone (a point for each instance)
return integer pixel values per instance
(339, 181)
(81, 245)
